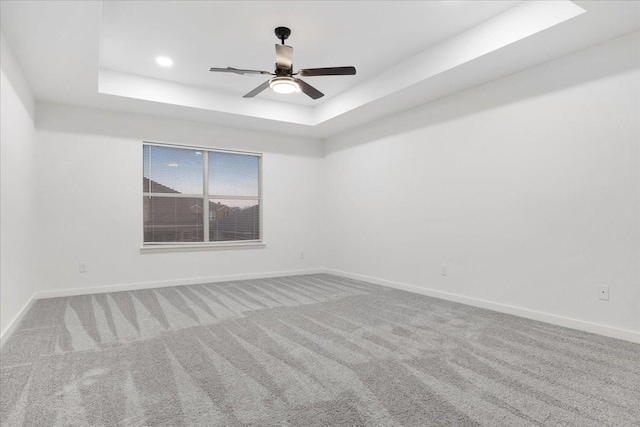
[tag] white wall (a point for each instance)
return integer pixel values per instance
(17, 252)
(527, 188)
(89, 173)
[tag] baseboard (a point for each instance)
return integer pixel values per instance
(166, 283)
(6, 333)
(581, 325)
(553, 319)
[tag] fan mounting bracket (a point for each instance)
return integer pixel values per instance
(282, 33)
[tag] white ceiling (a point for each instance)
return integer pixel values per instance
(101, 54)
(371, 36)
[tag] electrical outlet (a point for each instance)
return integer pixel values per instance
(445, 270)
(82, 267)
(301, 255)
(603, 292)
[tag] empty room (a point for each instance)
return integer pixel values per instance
(320, 213)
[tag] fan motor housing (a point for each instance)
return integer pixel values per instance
(283, 72)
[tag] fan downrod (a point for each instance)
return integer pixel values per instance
(282, 33)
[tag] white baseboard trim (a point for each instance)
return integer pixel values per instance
(6, 333)
(553, 319)
(581, 325)
(166, 283)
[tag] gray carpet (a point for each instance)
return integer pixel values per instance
(314, 350)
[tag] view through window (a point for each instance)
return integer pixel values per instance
(194, 195)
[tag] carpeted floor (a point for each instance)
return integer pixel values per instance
(314, 350)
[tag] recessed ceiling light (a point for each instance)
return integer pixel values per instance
(284, 85)
(163, 61)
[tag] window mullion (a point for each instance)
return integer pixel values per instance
(205, 186)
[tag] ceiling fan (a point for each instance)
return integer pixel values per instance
(284, 80)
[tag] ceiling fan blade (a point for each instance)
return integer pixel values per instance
(329, 71)
(257, 90)
(284, 57)
(309, 90)
(237, 71)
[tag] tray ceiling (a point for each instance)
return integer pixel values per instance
(102, 54)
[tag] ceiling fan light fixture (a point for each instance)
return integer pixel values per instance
(284, 85)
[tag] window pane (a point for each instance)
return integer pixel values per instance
(233, 174)
(234, 220)
(173, 219)
(172, 170)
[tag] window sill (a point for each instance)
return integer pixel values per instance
(201, 247)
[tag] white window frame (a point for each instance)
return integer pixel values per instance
(206, 244)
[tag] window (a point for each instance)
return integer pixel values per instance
(194, 195)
